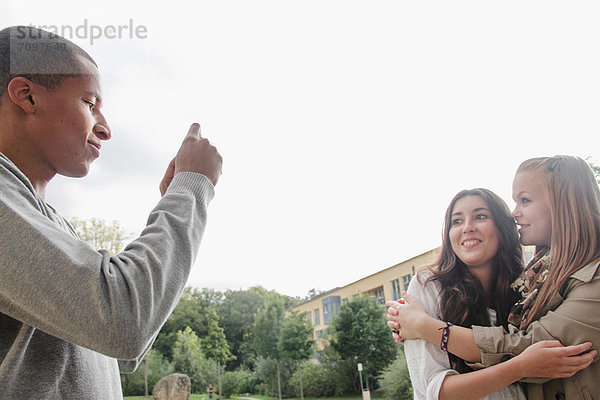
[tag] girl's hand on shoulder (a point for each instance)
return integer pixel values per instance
(550, 359)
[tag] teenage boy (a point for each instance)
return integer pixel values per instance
(68, 312)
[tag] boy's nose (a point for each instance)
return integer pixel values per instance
(102, 131)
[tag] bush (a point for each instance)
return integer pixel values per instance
(158, 367)
(316, 381)
(234, 382)
(341, 372)
(266, 371)
(249, 384)
(395, 381)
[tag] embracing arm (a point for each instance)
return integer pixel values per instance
(416, 323)
(547, 359)
(575, 320)
(462, 341)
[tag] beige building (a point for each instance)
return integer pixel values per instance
(383, 285)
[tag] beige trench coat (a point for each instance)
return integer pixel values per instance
(573, 317)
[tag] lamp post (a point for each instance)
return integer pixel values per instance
(366, 394)
(360, 376)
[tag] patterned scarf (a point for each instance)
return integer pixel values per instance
(528, 285)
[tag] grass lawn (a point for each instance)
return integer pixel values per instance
(257, 396)
(192, 397)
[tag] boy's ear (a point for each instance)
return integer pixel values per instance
(20, 91)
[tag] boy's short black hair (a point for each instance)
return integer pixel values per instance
(40, 56)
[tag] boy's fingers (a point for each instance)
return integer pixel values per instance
(194, 130)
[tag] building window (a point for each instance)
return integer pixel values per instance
(331, 306)
(395, 289)
(327, 311)
(344, 301)
(405, 282)
(378, 294)
(308, 317)
(317, 317)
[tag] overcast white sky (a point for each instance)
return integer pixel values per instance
(345, 126)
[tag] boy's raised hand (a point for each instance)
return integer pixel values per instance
(196, 154)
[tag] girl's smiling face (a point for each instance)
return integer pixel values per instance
(473, 234)
(532, 212)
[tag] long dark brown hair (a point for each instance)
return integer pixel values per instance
(463, 300)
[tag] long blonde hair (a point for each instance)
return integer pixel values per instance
(573, 197)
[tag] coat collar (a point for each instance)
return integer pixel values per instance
(587, 273)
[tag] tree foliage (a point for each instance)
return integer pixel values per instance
(237, 312)
(595, 168)
(267, 328)
(191, 310)
(188, 359)
(186, 352)
(236, 382)
(157, 367)
(395, 380)
(317, 381)
(267, 333)
(360, 335)
(295, 342)
(266, 371)
(237, 319)
(101, 235)
(214, 345)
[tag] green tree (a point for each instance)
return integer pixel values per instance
(272, 381)
(360, 334)
(186, 352)
(342, 373)
(312, 293)
(214, 345)
(236, 316)
(267, 332)
(100, 234)
(295, 343)
(595, 168)
(188, 359)
(191, 310)
(237, 319)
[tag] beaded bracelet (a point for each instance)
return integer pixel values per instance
(445, 334)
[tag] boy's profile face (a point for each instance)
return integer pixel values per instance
(68, 126)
